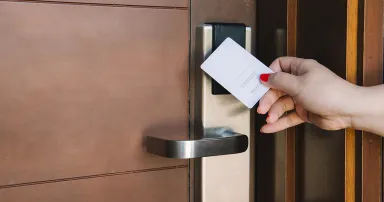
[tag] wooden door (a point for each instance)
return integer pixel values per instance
(306, 163)
(83, 82)
(80, 83)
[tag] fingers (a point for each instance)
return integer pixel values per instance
(326, 124)
(276, 64)
(285, 78)
(303, 113)
(292, 119)
(278, 109)
(283, 81)
(288, 65)
(268, 100)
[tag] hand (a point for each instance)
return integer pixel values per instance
(316, 95)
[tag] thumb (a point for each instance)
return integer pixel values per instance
(281, 81)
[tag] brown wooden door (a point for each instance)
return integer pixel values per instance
(306, 163)
(83, 81)
(80, 83)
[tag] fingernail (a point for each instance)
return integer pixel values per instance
(264, 77)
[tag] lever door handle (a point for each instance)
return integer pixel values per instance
(215, 142)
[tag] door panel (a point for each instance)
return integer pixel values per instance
(271, 148)
(321, 154)
(170, 3)
(144, 187)
(80, 85)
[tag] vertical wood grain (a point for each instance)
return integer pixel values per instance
(350, 165)
(351, 75)
(291, 27)
(290, 170)
(372, 75)
(371, 188)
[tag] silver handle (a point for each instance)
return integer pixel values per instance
(215, 142)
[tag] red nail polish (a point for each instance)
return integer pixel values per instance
(264, 77)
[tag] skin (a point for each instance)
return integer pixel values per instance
(312, 93)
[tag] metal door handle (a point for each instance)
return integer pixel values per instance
(215, 142)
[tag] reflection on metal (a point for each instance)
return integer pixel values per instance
(281, 42)
(216, 141)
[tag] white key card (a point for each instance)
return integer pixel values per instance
(237, 71)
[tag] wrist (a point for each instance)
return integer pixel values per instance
(357, 107)
(366, 104)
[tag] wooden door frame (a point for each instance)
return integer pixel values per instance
(372, 74)
(290, 141)
(364, 66)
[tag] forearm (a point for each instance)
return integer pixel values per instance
(369, 112)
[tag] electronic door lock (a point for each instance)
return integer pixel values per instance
(220, 31)
(210, 110)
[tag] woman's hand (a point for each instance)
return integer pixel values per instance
(316, 95)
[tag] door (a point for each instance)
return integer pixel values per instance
(80, 84)
(83, 85)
